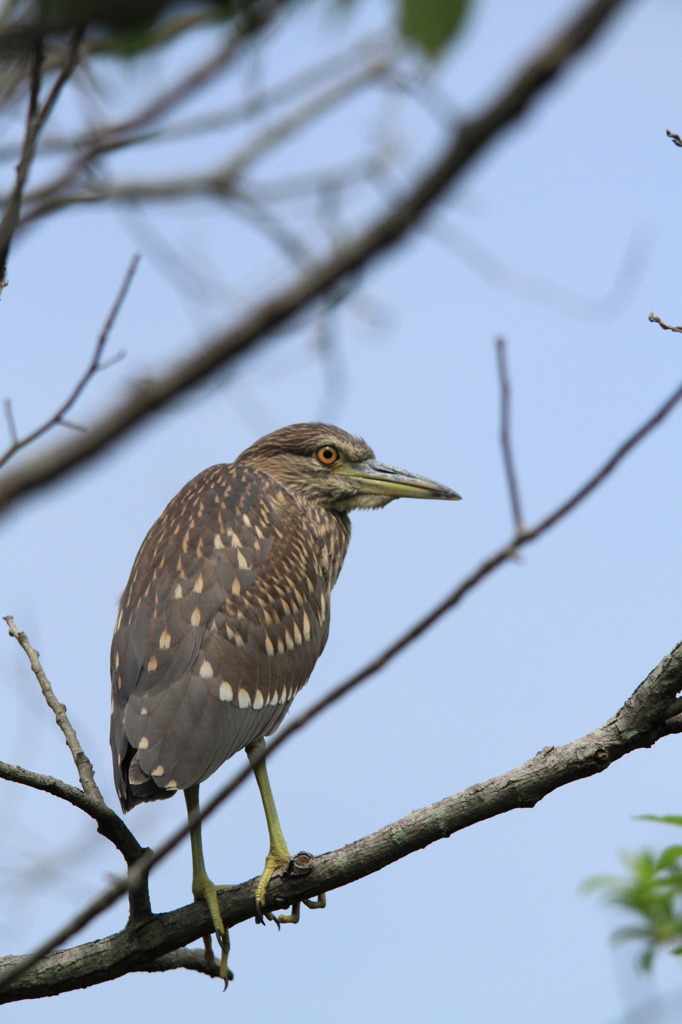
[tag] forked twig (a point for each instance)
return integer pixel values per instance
(95, 366)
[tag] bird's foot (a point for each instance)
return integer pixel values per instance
(204, 889)
(277, 858)
(293, 866)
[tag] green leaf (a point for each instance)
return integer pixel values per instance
(669, 857)
(665, 819)
(431, 23)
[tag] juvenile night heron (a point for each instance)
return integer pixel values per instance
(226, 612)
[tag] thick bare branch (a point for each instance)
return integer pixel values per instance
(279, 309)
(642, 720)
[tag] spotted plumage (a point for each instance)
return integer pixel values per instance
(226, 612)
(222, 621)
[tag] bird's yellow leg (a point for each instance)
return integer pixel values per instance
(278, 854)
(204, 889)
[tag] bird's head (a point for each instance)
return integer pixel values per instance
(328, 467)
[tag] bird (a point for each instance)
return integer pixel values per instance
(226, 612)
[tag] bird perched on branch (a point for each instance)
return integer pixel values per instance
(225, 614)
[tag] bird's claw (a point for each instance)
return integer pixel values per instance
(319, 903)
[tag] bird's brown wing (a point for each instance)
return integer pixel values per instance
(223, 618)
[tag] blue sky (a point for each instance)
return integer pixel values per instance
(576, 210)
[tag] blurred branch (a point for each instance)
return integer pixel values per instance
(14, 74)
(650, 713)
(95, 366)
(505, 434)
(55, 196)
(35, 121)
(280, 308)
(639, 723)
(376, 55)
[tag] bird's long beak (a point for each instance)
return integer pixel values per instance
(389, 482)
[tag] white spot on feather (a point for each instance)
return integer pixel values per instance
(206, 670)
(225, 691)
(196, 617)
(258, 700)
(165, 640)
(143, 744)
(243, 698)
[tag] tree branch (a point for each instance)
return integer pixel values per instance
(505, 434)
(666, 327)
(642, 720)
(109, 824)
(80, 758)
(61, 191)
(280, 308)
(95, 366)
(138, 872)
(35, 121)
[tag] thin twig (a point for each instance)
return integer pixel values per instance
(666, 327)
(80, 759)
(95, 366)
(378, 53)
(37, 117)
(140, 870)
(218, 181)
(124, 133)
(505, 434)
(11, 424)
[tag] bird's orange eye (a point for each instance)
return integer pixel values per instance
(327, 455)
